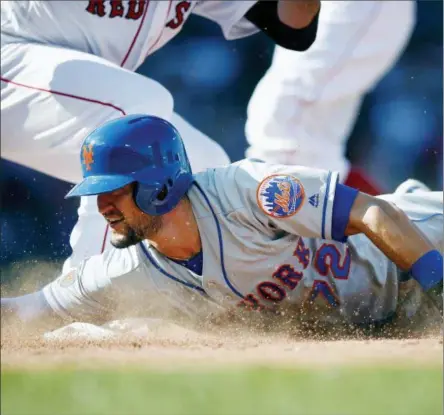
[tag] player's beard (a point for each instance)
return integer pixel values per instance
(137, 233)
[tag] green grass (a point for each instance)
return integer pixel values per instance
(356, 391)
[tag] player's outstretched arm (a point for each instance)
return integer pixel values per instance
(29, 310)
(79, 294)
(389, 228)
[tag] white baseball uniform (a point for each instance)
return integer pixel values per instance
(267, 241)
(68, 66)
(303, 109)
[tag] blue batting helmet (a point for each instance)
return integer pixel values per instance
(139, 148)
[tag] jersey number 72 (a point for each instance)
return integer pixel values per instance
(327, 259)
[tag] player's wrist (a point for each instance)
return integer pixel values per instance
(428, 270)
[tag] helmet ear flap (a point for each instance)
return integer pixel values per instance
(143, 196)
(162, 199)
(152, 200)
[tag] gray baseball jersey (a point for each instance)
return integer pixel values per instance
(267, 238)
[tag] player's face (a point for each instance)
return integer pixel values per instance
(129, 225)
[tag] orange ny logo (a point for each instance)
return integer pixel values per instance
(88, 156)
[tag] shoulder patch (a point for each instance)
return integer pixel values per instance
(280, 195)
(67, 279)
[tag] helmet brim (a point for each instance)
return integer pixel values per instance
(96, 185)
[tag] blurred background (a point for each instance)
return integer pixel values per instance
(399, 133)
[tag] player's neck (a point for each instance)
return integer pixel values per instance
(179, 237)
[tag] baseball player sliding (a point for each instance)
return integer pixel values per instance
(304, 108)
(252, 235)
(68, 66)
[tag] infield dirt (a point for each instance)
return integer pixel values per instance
(168, 346)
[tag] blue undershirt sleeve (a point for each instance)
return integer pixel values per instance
(344, 198)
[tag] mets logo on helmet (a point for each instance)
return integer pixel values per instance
(280, 196)
(87, 154)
